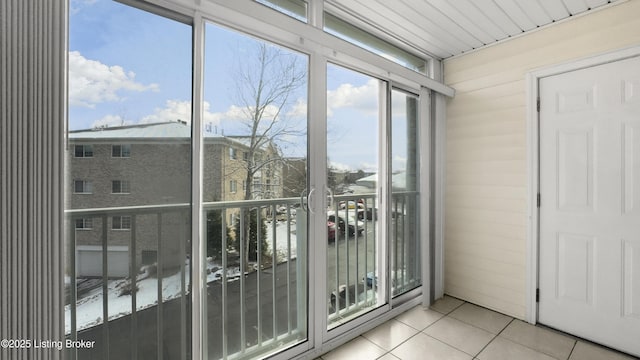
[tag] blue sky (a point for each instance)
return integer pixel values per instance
(128, 66)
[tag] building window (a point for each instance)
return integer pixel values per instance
(121, 151)
(121, 223)
(120, 187)
(245, 156)
(84, 224)
(232, 154)
(244, 185)
(83, 151)
(233, 186)
(82, 187)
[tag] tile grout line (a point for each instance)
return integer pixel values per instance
(495, 337)
(573, 348)
(543, 328)
(420, 331)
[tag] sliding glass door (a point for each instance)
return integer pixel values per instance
(355, 250)
(404, 220)
(254, 169)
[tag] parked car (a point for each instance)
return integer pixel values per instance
(331, 231)
(342, 224)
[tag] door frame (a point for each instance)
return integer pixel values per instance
(533, 161)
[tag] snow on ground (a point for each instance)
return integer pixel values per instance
(89, 310)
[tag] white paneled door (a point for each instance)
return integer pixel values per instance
(590, 203)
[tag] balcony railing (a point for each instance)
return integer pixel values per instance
(256, 272)
(140, 326)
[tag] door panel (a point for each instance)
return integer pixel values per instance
(354, 252)
(631, 286)
(575, 268)
(589, 217)
(254, 170)
(631, 168)
(575, 169)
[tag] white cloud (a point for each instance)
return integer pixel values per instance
(339, 166)
(368, 167)
(179, 110)
(92, 82)
(76, 6)
(399, 163)
(109, 121)
(363, 98)
(299, 109)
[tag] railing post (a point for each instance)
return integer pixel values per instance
(274, 268)
(134, 282)
(301, 269)
(73, 301)
(159, 272)
(224, 282)
(105, 290)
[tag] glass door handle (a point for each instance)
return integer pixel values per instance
(310, 205)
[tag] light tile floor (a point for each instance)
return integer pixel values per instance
(454, 329)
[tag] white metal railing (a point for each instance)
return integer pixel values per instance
(257, 296)
(108, 330)
(271, 291)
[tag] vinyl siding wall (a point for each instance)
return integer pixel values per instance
(486, 153)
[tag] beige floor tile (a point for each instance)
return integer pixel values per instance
(543, 340)
(419, 318)
(461, 336)
(480, 317)
(390, 334)
(503, 349)
(358, 348)
(446, 304)
(586, 351)
(388, 356)
(424, 347)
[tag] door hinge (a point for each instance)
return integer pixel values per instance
(537, 295)
(538, 201)
(538, 104)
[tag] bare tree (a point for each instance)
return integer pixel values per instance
(266, 83)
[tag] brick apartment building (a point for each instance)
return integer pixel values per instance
(148, 166)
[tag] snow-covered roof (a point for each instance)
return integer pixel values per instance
(246, 141)
(398, 181)
(146, 131)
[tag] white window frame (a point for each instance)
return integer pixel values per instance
(124, 187)
(233, 186)
(124, 223)
(87, 186)
(124, 151)
(85, 153)
(86, 223)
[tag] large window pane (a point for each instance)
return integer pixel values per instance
(255, 168)
(128, 174)
(405, 240)
(353, 257)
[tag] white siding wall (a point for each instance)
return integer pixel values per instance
(486, 168)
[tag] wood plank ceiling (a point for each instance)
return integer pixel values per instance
(444, 28)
